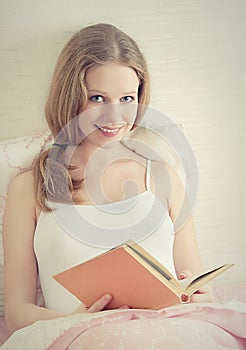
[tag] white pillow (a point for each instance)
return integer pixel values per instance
(16, 155)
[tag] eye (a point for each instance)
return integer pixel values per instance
(97, 98)
(127, 99)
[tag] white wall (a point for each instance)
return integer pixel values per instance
(196, 50)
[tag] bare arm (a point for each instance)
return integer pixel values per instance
(186, 253)
(186, 250)
(20, 263)
(19, 258)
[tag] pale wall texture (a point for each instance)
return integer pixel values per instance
(196, 50)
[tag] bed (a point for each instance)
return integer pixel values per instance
(188, 326)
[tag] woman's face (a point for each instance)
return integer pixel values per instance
(112, 103)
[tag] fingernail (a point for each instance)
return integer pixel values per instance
(198, 292)
(185, 298)
(107, 297)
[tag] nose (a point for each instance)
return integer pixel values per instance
(113, 113)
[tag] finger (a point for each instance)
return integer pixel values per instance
(100, 304)
(205, 289)
(184, 274)
(201, 298)
(203, 295)
(80, 309)
(124, 307)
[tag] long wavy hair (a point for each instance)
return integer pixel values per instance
(93, 45)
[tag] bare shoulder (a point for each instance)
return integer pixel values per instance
(162, 170)
(23, 182)
(21, 192)
(166, 183)
(159, 168)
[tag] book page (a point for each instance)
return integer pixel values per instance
(155, 264)
(193, 283)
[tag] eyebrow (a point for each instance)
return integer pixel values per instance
(105, 93)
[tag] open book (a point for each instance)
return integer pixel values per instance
(133, 277)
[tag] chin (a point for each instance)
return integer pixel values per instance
(109, 144)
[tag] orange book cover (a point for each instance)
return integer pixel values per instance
(133, 277)
(119, 273)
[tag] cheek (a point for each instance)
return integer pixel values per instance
(128, 113)
(87, 119)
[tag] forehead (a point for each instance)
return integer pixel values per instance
(111, 77)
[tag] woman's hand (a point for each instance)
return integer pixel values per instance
(99, 305)
(203, 295)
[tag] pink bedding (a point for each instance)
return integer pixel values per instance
(219, 325)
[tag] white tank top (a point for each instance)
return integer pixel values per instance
(71, 234)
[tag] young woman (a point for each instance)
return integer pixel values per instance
(89, 185)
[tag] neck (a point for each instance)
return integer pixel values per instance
(89, 153)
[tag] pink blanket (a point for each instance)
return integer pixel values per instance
(220, 325)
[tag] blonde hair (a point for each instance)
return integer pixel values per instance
(93, 45)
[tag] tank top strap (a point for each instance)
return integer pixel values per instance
(147, 178)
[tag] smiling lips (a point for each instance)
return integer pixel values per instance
(108, 132)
